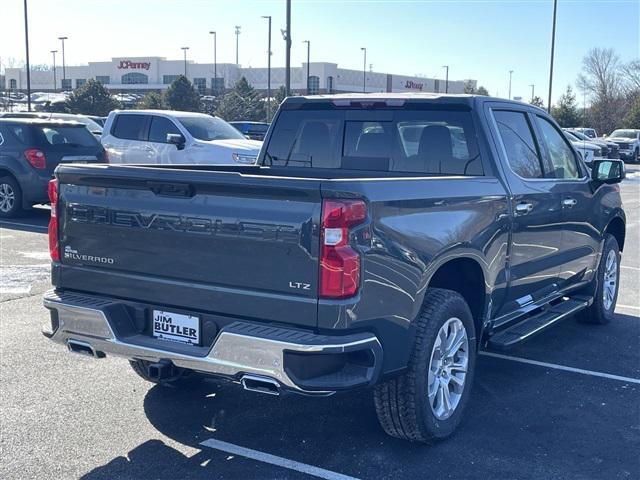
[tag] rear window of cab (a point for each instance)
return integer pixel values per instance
(409, 141)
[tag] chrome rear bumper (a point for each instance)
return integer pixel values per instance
(240, 348)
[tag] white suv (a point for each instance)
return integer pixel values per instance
(164, 136)
(629, 142)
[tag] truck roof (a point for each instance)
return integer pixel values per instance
(414, 97)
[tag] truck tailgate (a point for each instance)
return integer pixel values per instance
(210, 240)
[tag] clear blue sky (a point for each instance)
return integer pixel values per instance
(478, 39)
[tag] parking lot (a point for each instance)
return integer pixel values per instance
(564, 405)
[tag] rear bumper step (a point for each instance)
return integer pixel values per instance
(241, 350)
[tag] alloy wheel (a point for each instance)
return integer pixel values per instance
(448, 368)
(610, 279)
(7, 198)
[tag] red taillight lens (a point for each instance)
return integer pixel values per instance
(54, 246)
(105, 156)
(36, 158)
(339, 263)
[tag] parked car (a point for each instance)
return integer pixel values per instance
(99, 120)
(252, 130)
(30, 150)
(92, 126)
(608, 148)
(163, 136)
(629, 142)
(589, 132)
(588, 151)
(346, 258)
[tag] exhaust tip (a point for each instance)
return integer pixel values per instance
(83, 348)
(260, 384)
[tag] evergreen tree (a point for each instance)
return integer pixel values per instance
(242, 103)
(92, 98)
(482, 91)
(632, 118)
(566, 111)
(181, 95)
(152, 101)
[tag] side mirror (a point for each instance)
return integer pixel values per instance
(607, 171)
(176, 139)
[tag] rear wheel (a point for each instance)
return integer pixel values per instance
(10, 197)
(427, 402)
(603, 307)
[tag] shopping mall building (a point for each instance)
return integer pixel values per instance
(142, 74)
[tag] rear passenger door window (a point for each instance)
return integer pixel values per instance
(562, 158)
(523, 153)
(130, 127)
(160, 128)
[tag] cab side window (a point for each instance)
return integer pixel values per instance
(129, 127)
(561, 155)
(517, 137)
(160, 127)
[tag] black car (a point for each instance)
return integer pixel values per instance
(30, 150)
(252, 130)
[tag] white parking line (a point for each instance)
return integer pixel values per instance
(630, 268)
(632, 307)
(274, 460)
(562, 367)
(18, 224)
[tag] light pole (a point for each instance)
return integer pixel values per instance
(446, 82)
(288, 51)
(553, 44)
(237, 37)
(26, 41)
(184, 49)
(55, 84)
(215, 65)
(364, 71)
(64, 71)
(510, 75)
(533, 89)
(268, 17)
(308, 57)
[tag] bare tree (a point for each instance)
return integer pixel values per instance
(631, 75)
(601, 73)
(602, 81)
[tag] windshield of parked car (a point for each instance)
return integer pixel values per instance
(580, 135)
(411, 141)
(210, 128)
(623, 134)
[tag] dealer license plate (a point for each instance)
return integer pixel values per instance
(176, 327)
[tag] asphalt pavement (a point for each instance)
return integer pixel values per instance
(564, 405)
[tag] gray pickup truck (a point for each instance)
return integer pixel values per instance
(380, 241)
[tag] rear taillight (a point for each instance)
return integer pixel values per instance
(54, 246)
(105, 156)
(339, 263)
(36, 158)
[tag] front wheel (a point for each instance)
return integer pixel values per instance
(602, 309)
(426, 403)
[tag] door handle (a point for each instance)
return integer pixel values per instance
(523, 208)
(569, 202)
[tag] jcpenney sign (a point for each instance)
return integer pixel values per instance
(128, 64)
(413, 85)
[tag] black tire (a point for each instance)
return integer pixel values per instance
(402, 403)
(598, 313)
(636, 156)
(182, 376)
(9, 186)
